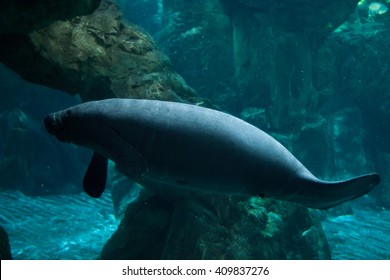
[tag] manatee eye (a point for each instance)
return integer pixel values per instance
(68, 112)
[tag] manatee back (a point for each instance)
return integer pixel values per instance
(204, 146)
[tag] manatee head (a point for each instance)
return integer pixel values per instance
(57, 124)
(81, 124)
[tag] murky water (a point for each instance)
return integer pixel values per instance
(77, 227)
(56, 227)
(363, 235)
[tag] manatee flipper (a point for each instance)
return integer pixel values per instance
(95, 177)
(127, 158)
(324, 195)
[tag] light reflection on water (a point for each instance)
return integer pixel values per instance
(77, 227)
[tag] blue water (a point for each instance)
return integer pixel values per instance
(57, 227)
(363, 235)
(76, 227)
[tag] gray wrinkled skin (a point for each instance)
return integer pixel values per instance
(187, 146)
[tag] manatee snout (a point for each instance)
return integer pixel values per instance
(51, 124)
(67, 126)
(56, 124)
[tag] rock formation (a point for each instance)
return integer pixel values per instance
(274, 64)
(222, 227)
(261, 50)
(18, 16)
(353, 79)
(5, 249)
(96, 56)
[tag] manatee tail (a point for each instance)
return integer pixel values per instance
(324, 195)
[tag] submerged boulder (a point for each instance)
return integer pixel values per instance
(142, 232)
(196, 35)
(5, 249)
(19, 16)
(317, 18)
(218, 227)
(97, 56)
(353, 81)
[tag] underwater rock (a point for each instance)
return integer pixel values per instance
(29, 158)
(313, 145)
(347, 144)
(142, 233)
(196, 35)
(315, 17)
(17, 16)
(104, 57)
(5, 249)
(252, 53)
(310, 237)
(351, 75)
(333, 144)
(218, 227)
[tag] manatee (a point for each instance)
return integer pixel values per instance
(187, 146)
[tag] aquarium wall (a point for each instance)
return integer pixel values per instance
(313, 74)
